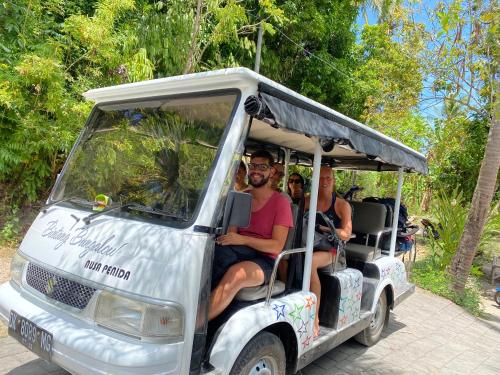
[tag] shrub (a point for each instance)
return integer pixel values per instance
(11, 228)
(450, 213)
(438, 281)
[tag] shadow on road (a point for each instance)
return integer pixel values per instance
(39, 367)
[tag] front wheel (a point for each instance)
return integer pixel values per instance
(497, 297)
(263, 355)
(371, 334)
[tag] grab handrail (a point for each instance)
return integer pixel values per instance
(275, 270)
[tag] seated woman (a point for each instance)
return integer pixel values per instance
(338, 211)
(240, 184)
(296, 187)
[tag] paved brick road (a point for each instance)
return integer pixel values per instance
(426, 335)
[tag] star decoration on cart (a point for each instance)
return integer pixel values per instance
(306, 342)
(280, 311)
(385, 272)
(295, 314)
(309, 303)
(303, 329)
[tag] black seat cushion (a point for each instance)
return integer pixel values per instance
(330, 299)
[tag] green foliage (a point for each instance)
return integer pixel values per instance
(39, 113)
(449, 211)
(458, 145)
(377, 184)
(52, 51)
(426, 276)
(490, 238)
(463, 63)
(55, 50)
(38, 123)
(322, 28)
(388, 82)
(11, 226)
(163, 30)
(438, 281)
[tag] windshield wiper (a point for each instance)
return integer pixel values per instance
(131, 206)
(87, 219)
(70, 199)
(150, 210)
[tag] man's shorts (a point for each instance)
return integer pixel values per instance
(226, 256)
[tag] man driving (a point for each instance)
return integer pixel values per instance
(244, 257)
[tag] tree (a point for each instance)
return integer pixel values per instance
(39, 113)
(312, 51)
(387, 82)
(464, 67)
(384, 93)
(50, 54)
(384, 9)
(481, 200)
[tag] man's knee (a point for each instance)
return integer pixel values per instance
(244, 274)
(237, 273)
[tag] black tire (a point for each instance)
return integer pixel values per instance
(371, 334)
(264, 355)
(497, 297)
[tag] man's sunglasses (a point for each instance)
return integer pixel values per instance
(260, 167)
(294, 181)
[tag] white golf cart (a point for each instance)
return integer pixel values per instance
(113, 277)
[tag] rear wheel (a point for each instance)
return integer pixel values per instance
(263, 355)
(497, 297)
(371, 334)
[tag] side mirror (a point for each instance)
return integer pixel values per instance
(237, 211)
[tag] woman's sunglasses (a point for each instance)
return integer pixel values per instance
(294, 181)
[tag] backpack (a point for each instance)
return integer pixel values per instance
(391, 202)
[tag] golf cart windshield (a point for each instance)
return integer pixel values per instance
(153, 156)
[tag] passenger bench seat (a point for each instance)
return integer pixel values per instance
(368, 223)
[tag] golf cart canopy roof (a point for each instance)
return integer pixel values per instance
(286, 119)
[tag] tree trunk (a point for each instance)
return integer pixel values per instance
(194, 45)
(481, 201)
(426, 199)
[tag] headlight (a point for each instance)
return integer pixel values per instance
(139, 318)
(17, 267)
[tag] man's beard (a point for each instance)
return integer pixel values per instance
(258, 184)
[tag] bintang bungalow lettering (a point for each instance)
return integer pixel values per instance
(80, 239)
(107, 269)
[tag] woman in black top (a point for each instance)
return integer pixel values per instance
(339, 211)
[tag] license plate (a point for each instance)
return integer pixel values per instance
(36, 339)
